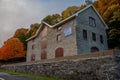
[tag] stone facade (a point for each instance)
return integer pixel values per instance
(69, 37)
(97, 66)
(83, 23)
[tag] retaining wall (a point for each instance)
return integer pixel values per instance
(95, 66)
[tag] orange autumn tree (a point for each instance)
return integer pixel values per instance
(12, 49)
(0, 54)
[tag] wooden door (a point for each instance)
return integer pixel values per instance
(59, 52)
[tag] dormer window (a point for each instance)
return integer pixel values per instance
(92, 22)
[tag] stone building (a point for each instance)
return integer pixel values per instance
(83, 32)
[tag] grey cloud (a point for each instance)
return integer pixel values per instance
(15, 14)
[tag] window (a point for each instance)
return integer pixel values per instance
(85, 34)
(33, 46)
(68, 31)
(59, 37)
(101, 39)
(44, 44)
(92, 22)
(93, 36)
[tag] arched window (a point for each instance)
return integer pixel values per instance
(59, 52)
(94, 49)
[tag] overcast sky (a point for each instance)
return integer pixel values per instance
(16, 14)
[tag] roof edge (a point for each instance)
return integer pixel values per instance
(52, 26)
(38, 31)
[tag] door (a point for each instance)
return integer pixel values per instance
(94, 49)
(59, 52)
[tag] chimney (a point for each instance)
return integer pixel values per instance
(88, 2)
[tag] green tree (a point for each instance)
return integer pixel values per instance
(21, 35)
(52, 19)
(110, 11)
(71, 10)
(32, 31)
(114, 38)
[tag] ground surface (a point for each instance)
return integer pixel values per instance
(6, 76)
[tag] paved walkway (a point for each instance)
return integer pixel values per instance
(5, 76)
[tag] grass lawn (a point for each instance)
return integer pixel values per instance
(29, 75)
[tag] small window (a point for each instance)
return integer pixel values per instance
(101, 39)
(85, 34)
(33, 46)
(92, 22)
(93, 36)
(59, 37)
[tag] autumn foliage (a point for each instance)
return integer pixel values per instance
(12, 48)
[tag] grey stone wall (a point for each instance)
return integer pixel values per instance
(96, 66)
(82, 22)
(67, 43)
(37, 48)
